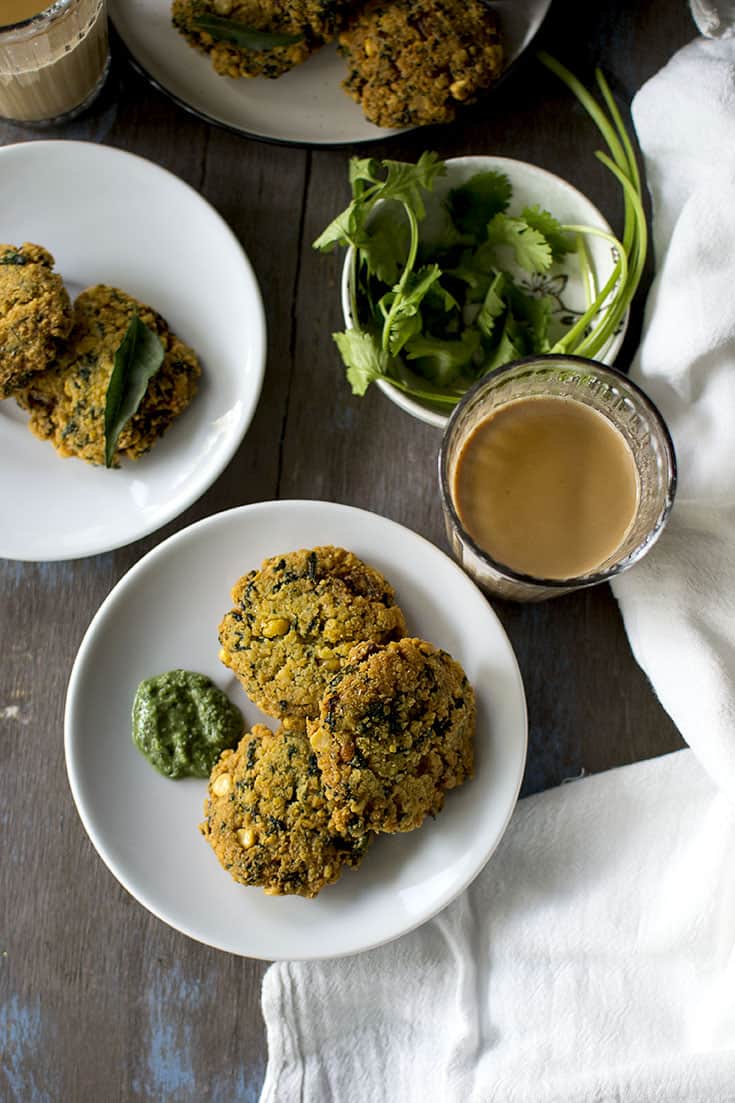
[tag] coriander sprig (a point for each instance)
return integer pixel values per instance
(431, 314)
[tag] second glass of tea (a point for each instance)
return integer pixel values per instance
(54, 58)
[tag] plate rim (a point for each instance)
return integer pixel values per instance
(82, 658)
(258, 344)
(303, 143)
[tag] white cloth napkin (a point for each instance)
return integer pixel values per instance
(679, 604)
(593, 961)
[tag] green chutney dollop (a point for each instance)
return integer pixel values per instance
(182, 722)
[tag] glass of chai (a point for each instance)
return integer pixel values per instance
(556, 473)
(53, 58)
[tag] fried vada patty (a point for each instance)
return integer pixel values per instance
(295, 621)
(267, 820)
(35, 314)
(314, 22)
(411, 62)
(395, 731)
(67, 402)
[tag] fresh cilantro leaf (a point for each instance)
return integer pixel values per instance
(442, 361)
(475, 203)
(534, 312)
(505, 351)
(440, 298)
(384, 245)
(477, 268)
(403, 318)
(560, 241)
(494, 305)
(363, 357)
(403, 324)
(363, 168)
(346, 229)
(363, 175)
(406, 182)
(137, 358)
(531, 249)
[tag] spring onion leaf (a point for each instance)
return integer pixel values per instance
(248, 38)
(137, 359)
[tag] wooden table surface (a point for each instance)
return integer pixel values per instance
(100, 1001)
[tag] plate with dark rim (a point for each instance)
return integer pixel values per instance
(305, 106)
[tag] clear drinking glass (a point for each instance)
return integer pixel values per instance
(611, 394)
(714, 18)
(53, 64)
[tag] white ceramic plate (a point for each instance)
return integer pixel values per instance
(111, 217)
(164, 614)
(306, 105)
(531, 185)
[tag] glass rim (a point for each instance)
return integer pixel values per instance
(56, 7)
(576, 582)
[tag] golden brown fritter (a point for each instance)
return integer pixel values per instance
(67, 402)
(267, 820)
(395, 731)
(295, 621)
(313, 21)
(412, 62)
(35, 314)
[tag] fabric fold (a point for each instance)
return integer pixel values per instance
(588, 963)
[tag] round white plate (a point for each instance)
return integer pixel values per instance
(111, 217)
(306, 105)
(531, 185)
(164, 614)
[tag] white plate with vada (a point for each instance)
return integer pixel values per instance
(304, 106)
(163, 615)
(109, 217)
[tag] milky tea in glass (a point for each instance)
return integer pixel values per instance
(53, 58)
(556, 473)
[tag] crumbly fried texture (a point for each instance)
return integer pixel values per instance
(67, 402)
(314, 21)
(412, 62)
(35, 314)
(267, 820)
(395, 731)
(296, 620)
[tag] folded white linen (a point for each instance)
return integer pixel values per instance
(593, 961)
(679, 604)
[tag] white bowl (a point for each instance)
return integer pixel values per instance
(531, 185)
